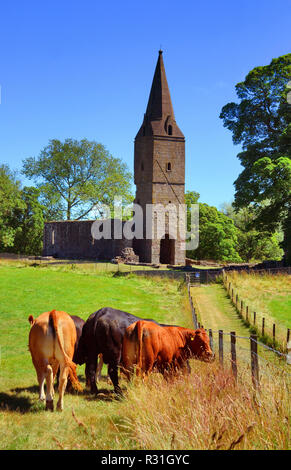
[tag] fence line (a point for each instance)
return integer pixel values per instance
(253, 341)
(193, 311)
(252, 320)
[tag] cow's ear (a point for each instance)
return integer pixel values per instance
(31, 320)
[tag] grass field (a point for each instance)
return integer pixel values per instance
(202, 411)
(32, 290)
(267, 295)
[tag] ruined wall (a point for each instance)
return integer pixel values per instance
(73, 240)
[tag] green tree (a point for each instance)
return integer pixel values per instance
(30, 222)
(218, 235)
(260, 122)
(10, 201)
(74, 176)
(253, 245)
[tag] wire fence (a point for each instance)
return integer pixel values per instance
(246, 356)
(269, 332)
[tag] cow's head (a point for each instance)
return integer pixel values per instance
(199, 345)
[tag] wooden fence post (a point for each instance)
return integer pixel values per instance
(233, 354)
(236, 300)
(220, 342)
(274, 333)
(255, 317)
(263, 326)
(254, 361)
(288, 335)
(247, 313)
(211, 339)
(241, 307)
(288, 356)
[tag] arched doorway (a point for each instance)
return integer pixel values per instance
(167, 250)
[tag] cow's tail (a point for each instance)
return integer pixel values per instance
(69, 363)
(139, 342)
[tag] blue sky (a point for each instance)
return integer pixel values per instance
(83, 69)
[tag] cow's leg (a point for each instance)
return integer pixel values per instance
(56, 370)
(58, 377)
(147, 366)
(62, 386)
(127, 371)
(99, 367)
(41, 380)
(49, 388)
(87, 375)
(113, 374)
(90, 372)
(185, 367)
(40, 367)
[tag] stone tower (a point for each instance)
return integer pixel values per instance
(159, 172)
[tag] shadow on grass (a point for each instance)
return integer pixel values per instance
(21, 404)
(18, 402)
(31, 389)
(104, 395)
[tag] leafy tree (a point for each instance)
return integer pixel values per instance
(253, 244)
(260, 122)
(217, 233)
(10, 200)
(73, 176)
(30, 221)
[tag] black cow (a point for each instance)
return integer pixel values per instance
(103, 334)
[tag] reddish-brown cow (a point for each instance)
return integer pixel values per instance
(166, 348)
(52, 341)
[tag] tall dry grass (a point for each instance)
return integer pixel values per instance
(207, 410)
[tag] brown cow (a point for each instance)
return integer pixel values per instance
(52, 341)
(166, 348)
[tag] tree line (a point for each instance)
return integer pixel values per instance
(72, 177)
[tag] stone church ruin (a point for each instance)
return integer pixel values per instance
(159, 176)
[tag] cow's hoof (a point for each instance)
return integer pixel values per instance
(49, 406)
(59, 407)
(118, 392)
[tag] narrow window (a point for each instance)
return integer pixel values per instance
(170, 130)
(169, 167)
(53, 237)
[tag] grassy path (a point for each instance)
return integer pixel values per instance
(215, 310)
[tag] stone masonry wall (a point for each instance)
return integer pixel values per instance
(73, 240)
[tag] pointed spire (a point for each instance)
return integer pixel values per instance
(159, 104)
